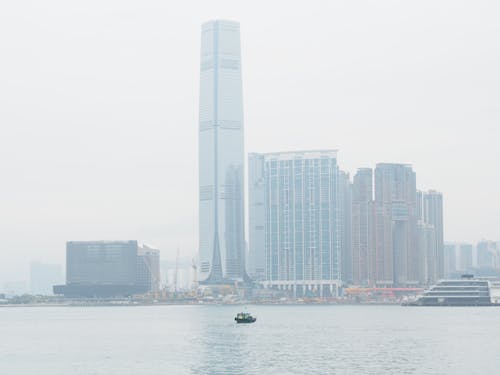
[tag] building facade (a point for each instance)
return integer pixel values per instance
(109, 269)
(466, 257)
(221, 153)
(345, 224)
(148, 268)
(396, 221)
(363, 228)
(256, 266)
(301, 216)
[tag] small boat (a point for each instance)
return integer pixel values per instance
(244, 318)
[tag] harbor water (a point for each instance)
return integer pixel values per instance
(297, 339)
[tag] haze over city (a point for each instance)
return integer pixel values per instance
(99, 110)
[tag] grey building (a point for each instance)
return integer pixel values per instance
(433, 215)
(256, 266)
(221, 163)
(301, 216)
(345, 224)
(486, 254)
(396, 220)
(363, 228)
(148, 268)
(466, 256)
(107, 269)
(450, 259)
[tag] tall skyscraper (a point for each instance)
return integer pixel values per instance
(301, 216)
(363, 228)
(395, 200)
(433, 215)
(221, 165)
(256, 217)
(345, 223)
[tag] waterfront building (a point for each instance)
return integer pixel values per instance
(363, 228)
(148, 268)
(427, 258)
(466, 256)
(395, 201)
(221, 164)
(256, 267)
(345, 227)
(301, 216)
(433, 215)
(486, 254)
(109, 269)
(450, 260)
(43, 277)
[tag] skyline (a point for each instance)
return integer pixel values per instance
(86, 158)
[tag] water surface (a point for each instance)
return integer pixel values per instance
(323, 339)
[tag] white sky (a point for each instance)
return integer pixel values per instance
(99, 108)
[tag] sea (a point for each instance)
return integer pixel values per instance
(285, 339)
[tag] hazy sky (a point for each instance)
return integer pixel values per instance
(99, 109)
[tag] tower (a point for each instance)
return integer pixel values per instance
(221, 181)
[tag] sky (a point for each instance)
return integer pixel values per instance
(99, 109)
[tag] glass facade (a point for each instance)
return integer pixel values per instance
(221, 166)
(301, 216)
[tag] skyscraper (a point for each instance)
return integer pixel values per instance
(363, 228)
(221, 181)
(301, 216)
(256, 217)
(345, 224)
(395, 200)
(433, 215)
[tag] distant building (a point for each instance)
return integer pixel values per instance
(109, 269)
(363, 228)
(466, 256)
(148, 268)
(430, 243)
(486, 254)
(345, 227)
(433, 215)
(221, 155)
(256, 266)
(301, 215)
(43, 277)
(450, 260)
(395, 200)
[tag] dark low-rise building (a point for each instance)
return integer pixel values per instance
(109, 269)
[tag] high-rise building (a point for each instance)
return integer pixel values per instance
(148, 268)
(345, 224)
(43, 277)
(427, 258)
(363, 228)
(395, 200)
(433, 215)
(486, 254)
(256, 217)
(466, 256)
(301, 219)
(221, 164)
(108, 269)
(450, 260)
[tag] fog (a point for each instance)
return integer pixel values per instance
(99, 109)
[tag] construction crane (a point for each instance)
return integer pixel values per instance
(176, 270)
